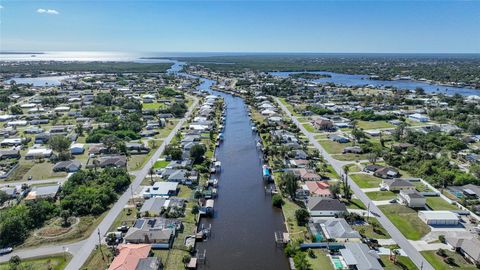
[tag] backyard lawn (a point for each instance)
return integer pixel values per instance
(437, 203)
(381, 195)
(364, 180)
(42, 170)
(96, 260)
(321, 261)
(372, 230)
(438, 263)
(309, 127)
(160, 164)
(54, 262)
(354, 204)
(152, 106)
(406, 220)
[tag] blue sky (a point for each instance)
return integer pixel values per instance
(241, 26)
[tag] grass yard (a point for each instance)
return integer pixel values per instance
(333, 147)
(296, 232)
(372, 230)
(127, 217)
(42, 170)
(53, 262)
(406, 220)
(97, 261)
(350, 157)
(355, 204)
(353, 168)
(389, 265)
(366, 180)
(289, 107)
(309, 127)
(160, 164)
(381, 195)
(374, 124)
(438, 263)
(20, 171)
(321, 261)
(171, 259)
(152, 106)
(437, 203)
(330, 172)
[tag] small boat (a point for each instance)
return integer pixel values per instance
(254, 128)
(218, 164)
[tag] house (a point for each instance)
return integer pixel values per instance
(325, 207)
(386, 172)
(358, 256)
(323, 124)
(352, 149)
(412, 198)
(38, 153)
(336, 229)
(137, 148)
(397, 184)
(7, 154)
(110, 161)
(43, 192)
(42, 138)
(439, 218)
(160, 189)
(306, 174)
(67, 166)
(154, 206)
(317, 189)
(12, 141)
(468, 247)
(129, 256)
(159, 232)
(419, 117)
(372, 168)
(298, 163)
(77, 148)
(339, 139)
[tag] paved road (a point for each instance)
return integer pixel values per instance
(82, 249)
(396, 235)
(32, 182)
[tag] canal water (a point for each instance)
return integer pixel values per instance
(360, 80)
(244, 224)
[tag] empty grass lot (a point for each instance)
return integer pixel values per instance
(406, 220)
(374, 124)
(389, 265)
(333, 147)
(381, 195)
(321, 261)
(364, 180)
(437, 203)
(368, 229)
(54, 262)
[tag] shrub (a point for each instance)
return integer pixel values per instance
(302, 216)
(277, 201)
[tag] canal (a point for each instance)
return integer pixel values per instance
(243, 227)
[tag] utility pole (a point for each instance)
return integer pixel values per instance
(100, 244)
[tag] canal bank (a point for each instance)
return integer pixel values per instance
(244, 223)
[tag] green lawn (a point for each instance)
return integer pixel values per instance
(127, 217)
(406, 220)
(321, 261)
(333, 147)
(152, 106)
(289, 107)
(372, 230)
(160, 164)
(350, 157)
(42, 170)
(355, 204)
(96, 261)
(374, 124)
(381, 195)
(437, 203)
(389, 265)
(437, 261)
(309, 127)
(366, 180)
(296, 232)
(54, 262)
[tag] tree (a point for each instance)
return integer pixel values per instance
(65, 215)
(475, 170)
(110, 141)
(3, 197)
(301, 262)
(346, 187)
(16, 110)
(290, 184)
(61, 145)
(277, 200)
(197, 153)
(301, 215)
(334, 190)
(151, 171)
(79, 129)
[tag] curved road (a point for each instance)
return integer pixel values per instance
(396, 235)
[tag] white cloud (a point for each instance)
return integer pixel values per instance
(48, 11)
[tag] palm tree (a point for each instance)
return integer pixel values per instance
(346, 186)
(151, 171)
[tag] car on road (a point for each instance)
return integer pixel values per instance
(393, 201)
(6, 250)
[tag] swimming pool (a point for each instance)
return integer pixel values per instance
(337, 262)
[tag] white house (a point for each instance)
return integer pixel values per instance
(412, 198)
(38, 153)
(160, 189)
(419, 117)
(436, 218)
(77, 148)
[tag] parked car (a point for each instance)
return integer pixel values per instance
(6, 250)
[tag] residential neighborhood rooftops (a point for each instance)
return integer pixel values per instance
(129, 256)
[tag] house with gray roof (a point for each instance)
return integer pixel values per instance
(412, 198)
(336, 229)
(397, 184)
(359, 256)
(325, 207)
(153, 206)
